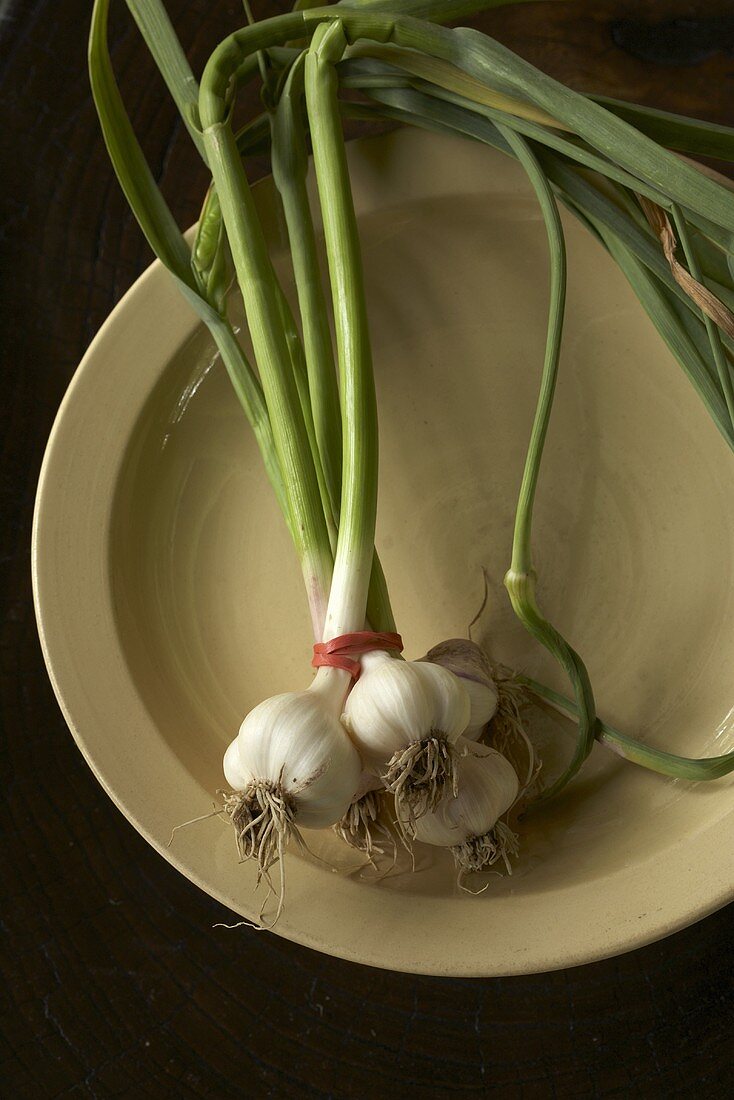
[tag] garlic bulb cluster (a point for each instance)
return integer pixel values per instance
(469, 662)
(405, 728)
(468, 821)
(404, 717)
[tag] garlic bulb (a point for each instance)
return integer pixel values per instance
(292, 764)
(404, 717)
(292, 741)
(469, 662)
(468, 822)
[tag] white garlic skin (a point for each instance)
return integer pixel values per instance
(395, 703)
(484, 699)
(294, 741)
(368, 781)
(469, 662)
(488, 786)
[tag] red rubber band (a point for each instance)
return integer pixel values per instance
(339, 652)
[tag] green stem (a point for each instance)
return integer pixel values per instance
(520, 579)
(656, 760)
(206, 273)
(300, 376)
(358, 508)
(290, 166)
(210, 266)
(521, 546)
(251, 398)
(263, 306)
(262, 57)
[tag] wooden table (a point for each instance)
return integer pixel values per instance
(113, 982)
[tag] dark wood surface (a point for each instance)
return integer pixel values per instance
(113, 982)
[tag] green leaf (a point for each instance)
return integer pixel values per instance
(131, 167)
(165, 48)
(165, 238)
(667, 320)
(608, 220)
(687, 135)
(437, 11)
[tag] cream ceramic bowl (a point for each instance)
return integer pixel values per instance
(169, 600)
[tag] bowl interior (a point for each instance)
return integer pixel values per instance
(633, 538)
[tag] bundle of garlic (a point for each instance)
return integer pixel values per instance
(292, 762)
(300, 758)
